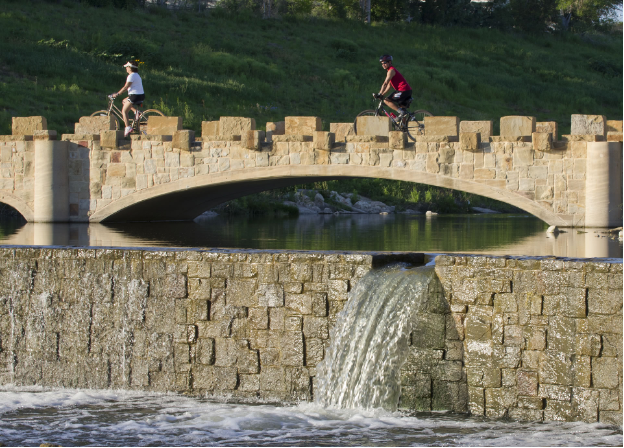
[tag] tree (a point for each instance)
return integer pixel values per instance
(589, 11)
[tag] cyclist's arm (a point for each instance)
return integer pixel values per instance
(125, 87)
(386, 84)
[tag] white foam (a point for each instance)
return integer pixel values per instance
(30, 416)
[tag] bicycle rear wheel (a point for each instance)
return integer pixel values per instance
(416, 123)
(104, 113)
(365, 113)
(142, 126)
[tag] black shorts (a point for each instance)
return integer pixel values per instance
(401, 98)
(136, 99)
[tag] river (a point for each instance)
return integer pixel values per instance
(35, 415)
(495, 234)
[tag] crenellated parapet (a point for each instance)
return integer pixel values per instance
(170, 173)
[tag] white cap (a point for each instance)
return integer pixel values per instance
(128, 64)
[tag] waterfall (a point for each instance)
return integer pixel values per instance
(368, 344)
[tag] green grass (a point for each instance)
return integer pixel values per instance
(61, 60)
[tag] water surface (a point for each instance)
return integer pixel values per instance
(497, 234)
(121, 418)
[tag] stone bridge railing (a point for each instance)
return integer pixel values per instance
(95, 174)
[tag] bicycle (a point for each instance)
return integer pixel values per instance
(138, 123)
(412, 122)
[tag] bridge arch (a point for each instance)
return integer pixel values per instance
(18, 204)
(185, 199)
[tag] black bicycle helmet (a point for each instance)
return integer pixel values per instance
(385, 58)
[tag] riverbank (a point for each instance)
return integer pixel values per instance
(360, 196)
(61, 59)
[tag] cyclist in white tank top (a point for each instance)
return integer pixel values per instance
(136, 94)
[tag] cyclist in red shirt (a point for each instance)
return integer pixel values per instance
(402, 96)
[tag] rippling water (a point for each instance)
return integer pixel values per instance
(113, 418)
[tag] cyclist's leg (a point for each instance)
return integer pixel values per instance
(390, 102)
(127, 105)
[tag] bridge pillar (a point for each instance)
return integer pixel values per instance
(51, 195)
(603, 187)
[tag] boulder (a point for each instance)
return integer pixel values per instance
(319, 201)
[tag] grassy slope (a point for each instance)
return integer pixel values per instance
(204, 66)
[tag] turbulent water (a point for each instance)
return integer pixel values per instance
(30, 416)
(369, 341)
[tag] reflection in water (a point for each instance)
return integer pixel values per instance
(491, 234)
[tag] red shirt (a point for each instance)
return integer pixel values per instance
(398, 82)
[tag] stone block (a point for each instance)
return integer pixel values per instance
(484, 174)
(253, 140)
(380, 126)
(546, 127)
(429, 331)
(116, 170)
(236, 125)
(210, 128)
(517, 126)
(276, 127)
(527, 381)
(484, 128)
(323, 140)
(183, 139)
(341, 130)
(303, 125)
(444, 126)
(542, 141)
(110, 139)
(157, 125)
(613, 137)
(95, 125)
(614, 126)
(589, 125)
(397, 139)
(28, 125)
(469, 141)
(44, 135)
(605, 372)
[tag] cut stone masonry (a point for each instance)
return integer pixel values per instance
(532, 339)
(170, 170)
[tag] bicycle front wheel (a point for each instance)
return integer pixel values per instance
(104, 113)
(366, 113)
(416, 123)
(142, 126)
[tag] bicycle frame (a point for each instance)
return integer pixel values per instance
(381, 107)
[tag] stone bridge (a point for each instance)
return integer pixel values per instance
(167, 173)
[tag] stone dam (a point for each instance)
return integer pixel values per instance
(534, 339)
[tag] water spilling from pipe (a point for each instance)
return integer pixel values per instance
(369, 342)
